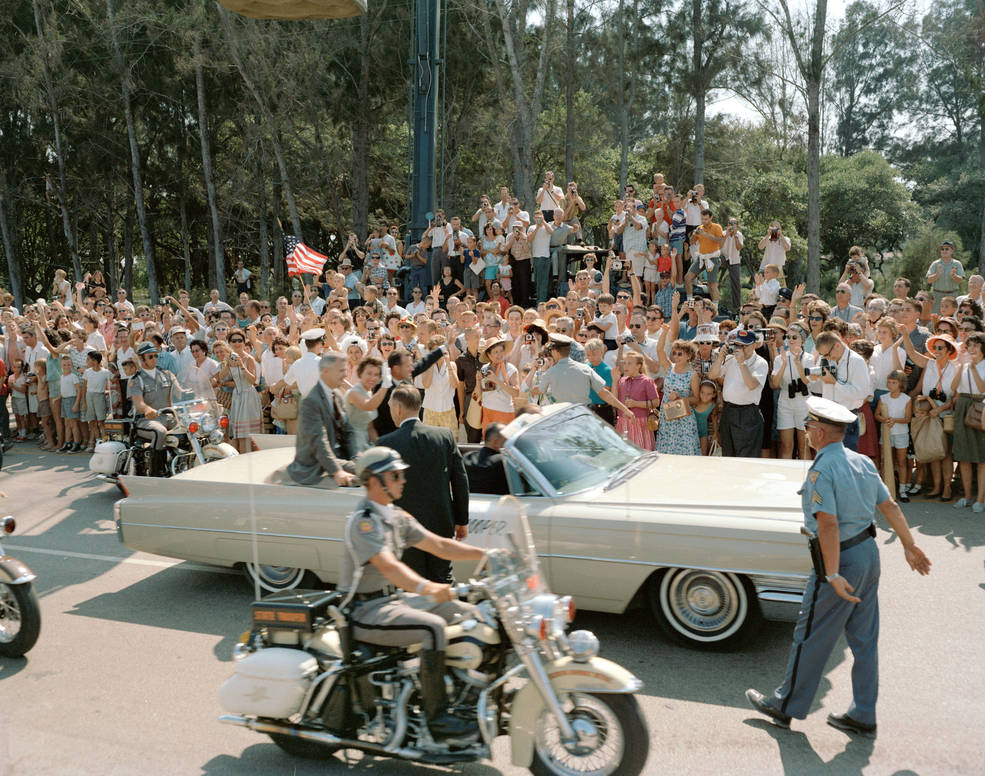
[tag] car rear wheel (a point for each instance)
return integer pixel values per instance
(274, 579)
(704, 609)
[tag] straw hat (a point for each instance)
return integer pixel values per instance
(490, 344)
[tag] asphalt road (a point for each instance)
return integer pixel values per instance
(134, 647)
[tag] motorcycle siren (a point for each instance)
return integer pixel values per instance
(377, 460)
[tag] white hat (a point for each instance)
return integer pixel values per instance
(707, 332)
(313, 334)
(827, 411)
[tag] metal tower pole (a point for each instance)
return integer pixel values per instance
(425, 131)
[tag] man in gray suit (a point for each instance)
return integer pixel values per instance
(437, 489)
(319, 457)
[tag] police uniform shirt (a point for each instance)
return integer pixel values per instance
(155, 391)
(304, 372)
(369, 530)
(570, 381)
(852, 385)
(845, 484)
(734, 388)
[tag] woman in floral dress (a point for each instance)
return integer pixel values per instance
(638, 392)
(679, 436)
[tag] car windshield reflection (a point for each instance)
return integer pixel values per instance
(575, 450)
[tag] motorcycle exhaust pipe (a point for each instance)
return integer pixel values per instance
(263, 726)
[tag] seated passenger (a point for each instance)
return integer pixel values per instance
(485, 467)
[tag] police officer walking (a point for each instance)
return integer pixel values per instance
(152, 389)
(839, 499)
(571, 381)
(376, 535)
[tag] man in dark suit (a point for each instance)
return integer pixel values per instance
(485, 466)
(319, 457)
(403, 369)
(437, 489)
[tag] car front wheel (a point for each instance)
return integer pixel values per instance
(274, 579)
(704, 609)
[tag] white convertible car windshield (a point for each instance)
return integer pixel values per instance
(575, 450)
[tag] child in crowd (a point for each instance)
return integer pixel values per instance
(17, 383)
(651, 270)
(95, 380)
(768, 288)
(471, 255)
(895, 411)
(607, 320)
(44, 406)
(70, 408)
(705, 412)
(114, 392)
(506, 280)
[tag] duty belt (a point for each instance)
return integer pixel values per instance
(382, 593)
(817, 559)
(859, 538)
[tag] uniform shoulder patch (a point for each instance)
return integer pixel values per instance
(364, 524)
(812, 476)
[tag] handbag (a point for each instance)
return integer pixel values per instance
(676, 409)
(285, 407)
(948, 422)
(473, 415)
(652, 416)
(929, 442)
(974, 417)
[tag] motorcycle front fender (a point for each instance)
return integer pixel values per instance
(598, 675)
(15, 572)
(221, 450)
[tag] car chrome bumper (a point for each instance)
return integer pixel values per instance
(780, 597)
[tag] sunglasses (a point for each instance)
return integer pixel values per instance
(654, 318)
(221, 330)
(636, 326)
(152, 355)
(622, 296)
(842, 291)
(815, 318)
(940, 348)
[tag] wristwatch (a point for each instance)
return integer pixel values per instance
(832, 577)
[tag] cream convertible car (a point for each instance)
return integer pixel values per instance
(710, 544)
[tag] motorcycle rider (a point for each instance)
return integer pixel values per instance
(152, 389)
(375, 536)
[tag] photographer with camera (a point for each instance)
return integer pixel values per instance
(694, 204)
(732, 251)
(844, 378)
(774, 246)
(790, 376)
(856, 276)
(539, 236)
(549, 198)
(743, 375)
(707, 256)
(518, 248)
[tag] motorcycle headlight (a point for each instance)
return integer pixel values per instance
(215, 437)
(208, 424)
(583, 645)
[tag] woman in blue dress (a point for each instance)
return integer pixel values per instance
(679, 436)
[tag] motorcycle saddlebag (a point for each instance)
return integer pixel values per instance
(269, 683)
(106, 457)
(294, 609)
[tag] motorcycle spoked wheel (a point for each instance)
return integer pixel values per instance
(613, 738)
(20, 619)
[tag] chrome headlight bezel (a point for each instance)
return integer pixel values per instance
(582, 645)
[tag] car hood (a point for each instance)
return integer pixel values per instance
(759, 487)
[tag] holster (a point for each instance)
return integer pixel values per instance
(817, 559)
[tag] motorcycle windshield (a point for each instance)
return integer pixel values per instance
(506, 528)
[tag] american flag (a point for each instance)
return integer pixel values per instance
(301, 260)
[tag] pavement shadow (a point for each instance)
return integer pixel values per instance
(961, 527)
(799, 758)
(11, 666)
(266, 758)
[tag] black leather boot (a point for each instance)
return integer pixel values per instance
(435, 700)
(158, 466)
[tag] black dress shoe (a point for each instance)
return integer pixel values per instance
(758, 701)
(849, 725)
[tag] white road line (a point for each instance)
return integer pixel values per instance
(164, 564)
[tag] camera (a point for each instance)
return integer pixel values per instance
(528, 338)
(694, 197)
(825, 367)
(626, 339)
(580, 313)
(617, 265)
(706, 366)
(938, 395)
(795, 387)
(540, 363)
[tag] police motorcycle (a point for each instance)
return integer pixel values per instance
(195, 436)
(20, 615)
(513, 669)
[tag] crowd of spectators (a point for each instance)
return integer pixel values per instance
(508, 302)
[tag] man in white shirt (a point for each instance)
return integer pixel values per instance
(694, 203)
(731, 251)
(975, 285)
(390, 303)
(455, 243)
(304, 372)
(843, 308)
(774, 247)
(182, 354)
(549, 198)
(502, 208)
(848, 384)
(517, 216)
(743, 375)
(416, 305)
(122, 303)
(539, 236)
(242, 277)
(634, 238)
(215, 304)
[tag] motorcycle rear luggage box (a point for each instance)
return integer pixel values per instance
(106, 457)
(294, 609)
(269, 683)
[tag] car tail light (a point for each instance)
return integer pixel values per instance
(9, 525)
(224, 421)
(193, 428)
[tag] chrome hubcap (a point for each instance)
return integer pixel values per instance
(704, 599)
(10, 615)
(709, 604)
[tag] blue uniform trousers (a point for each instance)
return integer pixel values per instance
(824, 616)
